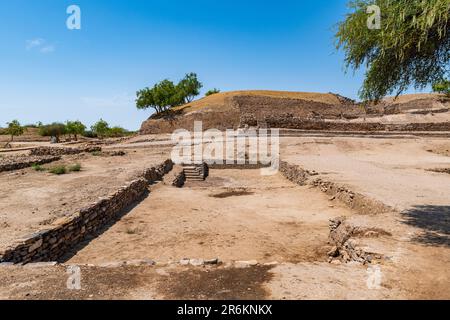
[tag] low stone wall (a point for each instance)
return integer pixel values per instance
(289, 121)
(52, 151)
(54, 242)
(356, 201)
(17, 163)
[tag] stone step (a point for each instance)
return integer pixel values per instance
(195, 179)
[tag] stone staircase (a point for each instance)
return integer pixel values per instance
(195, 172)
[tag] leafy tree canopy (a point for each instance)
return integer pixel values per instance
(100, 128)
(14, 129)
(165, 94)
(76, 128)
(189, 87)
(55, 129)
(442, 87)
(412, 47)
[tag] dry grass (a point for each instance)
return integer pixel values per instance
(218, 100)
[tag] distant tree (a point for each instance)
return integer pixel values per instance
(411, 47)
(100, 128)
(55, 130)
(161, 97)
(189, 87)
(117, 132)
(442, 87)
(14, 129)
(211, 92)
(75, 128)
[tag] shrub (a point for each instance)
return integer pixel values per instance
(211, 92)
(75, 168)
(58, 170)
(96, 153)
(37, 167)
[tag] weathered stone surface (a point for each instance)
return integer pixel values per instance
(53, 151)
(21, 162)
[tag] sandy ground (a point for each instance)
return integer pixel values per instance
(393, 171)
(240, 215)
(234, 215)
(29, 199)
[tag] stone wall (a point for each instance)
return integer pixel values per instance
(52, 151)
(53, 243)
(353, 200)
(21, 162)
(289, 121)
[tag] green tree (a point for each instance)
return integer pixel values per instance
(211, 92)
(75, 128)
(117, 132)
(189, 87)
(55, 130)
(161, 97)
(14, 129)
(100, 128)
(442, 87)
(412, 47)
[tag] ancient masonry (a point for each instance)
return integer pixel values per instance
(356, 201)
(17, 163)
(53, 243)
(51, 151)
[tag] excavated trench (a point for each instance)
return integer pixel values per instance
(235, 215)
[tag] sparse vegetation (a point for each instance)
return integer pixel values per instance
(37, 167)
(58, 170)
(75, 168)
(412, 48)
(211, 92)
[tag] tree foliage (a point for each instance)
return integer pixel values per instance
(100, 128)
(75, 128)
(442, 87)
(165, 94)
(55, 129)
(211, 92)
(14, 129)
(412, 48)
(189, 87)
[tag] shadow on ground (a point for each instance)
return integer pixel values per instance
(80, 246)
(433, 220)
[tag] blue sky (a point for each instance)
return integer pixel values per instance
(49, 73)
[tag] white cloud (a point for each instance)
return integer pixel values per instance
(40, 44)
(47, 49)
(35, 43)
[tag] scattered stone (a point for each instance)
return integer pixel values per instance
(184, 262)
(196, 262)
(245, 264)
(212, 261)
